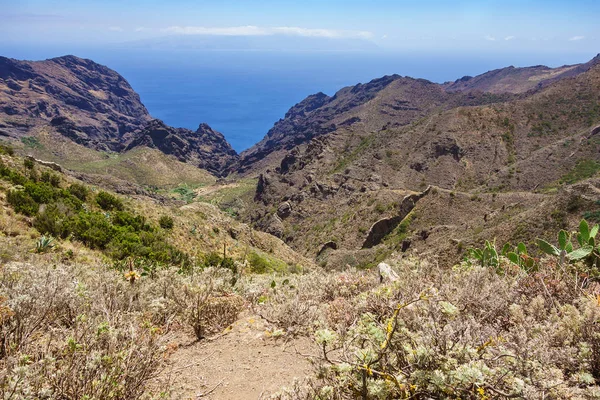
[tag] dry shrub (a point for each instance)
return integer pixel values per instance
(70, 332)
(206, 303)
(463, 333)
(296, 305)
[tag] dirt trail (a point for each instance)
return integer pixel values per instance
(243, 363)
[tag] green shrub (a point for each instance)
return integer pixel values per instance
(22, 202)
(11, 175)
(108, 202)
(94, 230)
(79, 191)
(261, 264)
(166, 222)
(6, 149)
(41, 192)
(215, 259)
(28, 163)
(56, 219)
(52, 179)
(133, 222)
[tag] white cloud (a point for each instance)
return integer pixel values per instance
(490, 38)
(115, 29)
(140, 29)
(575, 38)
(251, 30)
(510, 38)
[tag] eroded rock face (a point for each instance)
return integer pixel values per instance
(205, 147)
(384, 227)
(331, 245)
(284, 210)
(86, 101)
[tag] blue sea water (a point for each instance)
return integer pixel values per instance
(243, 93)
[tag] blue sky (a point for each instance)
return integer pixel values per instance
(508, 26)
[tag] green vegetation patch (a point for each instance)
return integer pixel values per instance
(31, 142)
(264, 264)
(101, 223)
(583, 170)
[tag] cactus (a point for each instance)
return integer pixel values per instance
(519, 257)
(565, 251)
(587, 236)
(488, 255)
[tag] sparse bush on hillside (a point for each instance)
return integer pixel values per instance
(206, 302)
(108, 202)
(166, 222)
(61, 213)
(6, 149)
(214, 259)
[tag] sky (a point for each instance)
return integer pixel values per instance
(508, 26)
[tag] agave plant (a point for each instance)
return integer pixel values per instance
(565, 251)
(44, 243)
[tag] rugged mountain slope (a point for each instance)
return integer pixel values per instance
(85, 101)
(394, 101)
(391, 101)
(205, 148)
(338, 185)
(518, 80)
(93, 105)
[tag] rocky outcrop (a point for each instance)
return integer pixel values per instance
(384, 227)
(312, 118)
(205, 147)
(94, 106)
(48, 164)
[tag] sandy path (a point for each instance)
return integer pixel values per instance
(245, 363)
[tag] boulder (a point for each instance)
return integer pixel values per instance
(284, 210)
(386, 273)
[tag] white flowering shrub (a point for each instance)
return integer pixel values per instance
(465, 333)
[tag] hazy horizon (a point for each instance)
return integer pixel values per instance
(243, 93)
(240, 65)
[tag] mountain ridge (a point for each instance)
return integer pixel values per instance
(94, 106)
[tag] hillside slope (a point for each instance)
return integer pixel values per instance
(337, 186)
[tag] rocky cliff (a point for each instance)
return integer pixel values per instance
(85, 101)
(94, 106)
(205, 148)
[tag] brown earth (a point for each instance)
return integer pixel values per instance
(244, 362)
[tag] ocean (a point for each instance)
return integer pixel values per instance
(243, 93)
